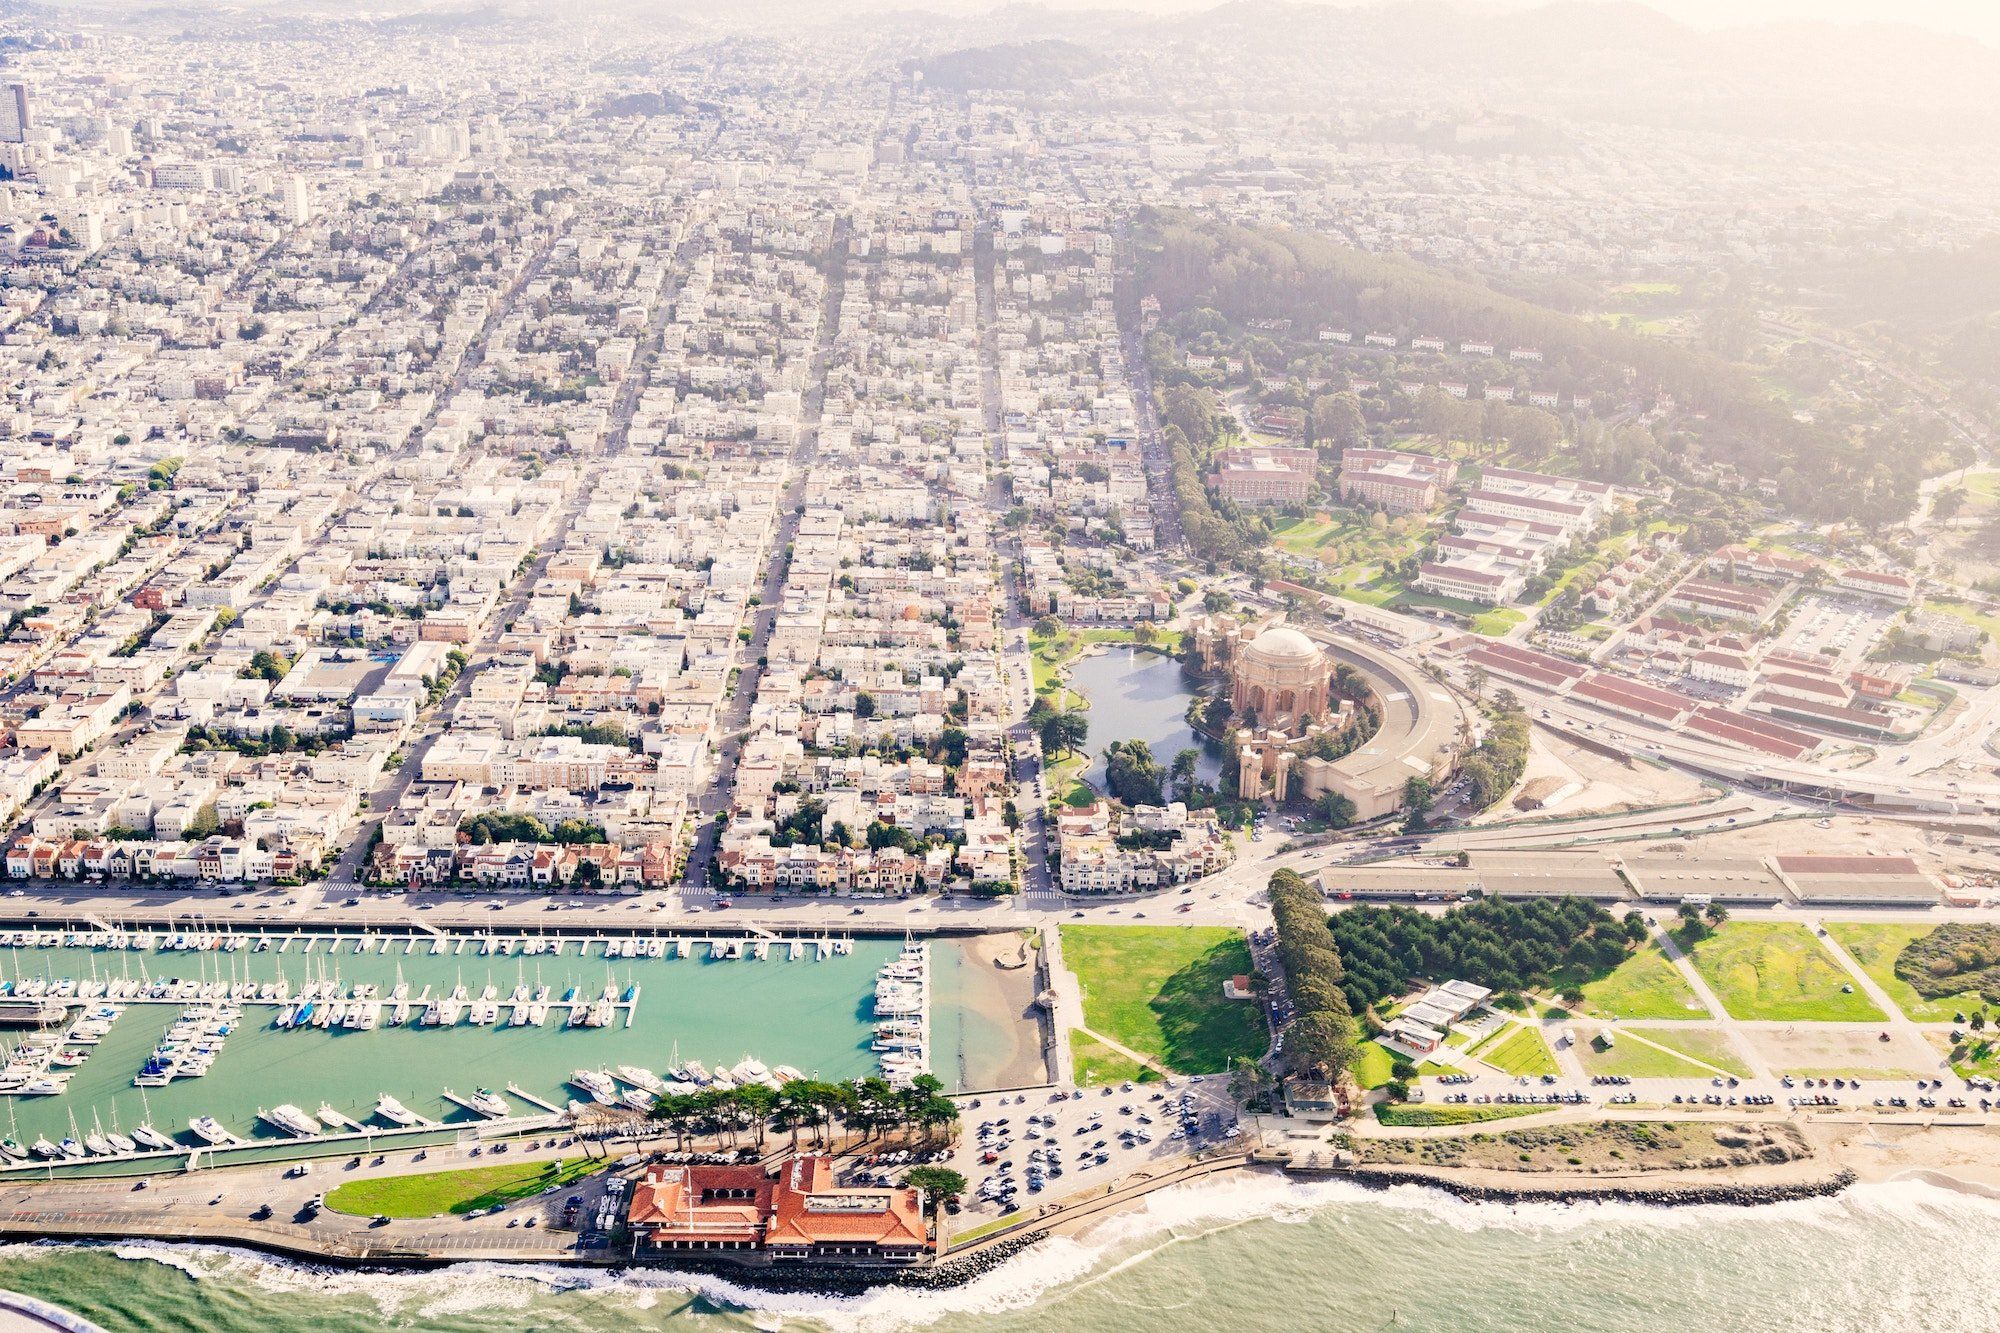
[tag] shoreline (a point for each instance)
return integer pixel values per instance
(988, 1254)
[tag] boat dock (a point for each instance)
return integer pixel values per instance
(532, 1100)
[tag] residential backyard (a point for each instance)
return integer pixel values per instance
(1158, 991)
(1778, 971)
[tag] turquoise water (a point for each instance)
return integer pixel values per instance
(1139, 696)
(814, 1014)
(1252, 1252)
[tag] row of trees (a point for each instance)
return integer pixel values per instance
(1505, 945)
(812, 1108)
(1319, 1041)
(502, 826)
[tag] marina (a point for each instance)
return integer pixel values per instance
(214, 1043)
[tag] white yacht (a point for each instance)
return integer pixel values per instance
(394, 1111)
(208, 1130)
(290, 1119)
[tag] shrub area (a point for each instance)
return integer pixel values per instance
(1953, 959)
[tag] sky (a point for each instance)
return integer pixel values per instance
(1980, 18)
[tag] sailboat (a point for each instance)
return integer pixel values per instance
(144, 1131)
(11, 1146)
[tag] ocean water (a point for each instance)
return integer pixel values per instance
(1246, 1252)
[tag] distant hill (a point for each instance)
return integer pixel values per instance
(1024, 67)
(641, 104)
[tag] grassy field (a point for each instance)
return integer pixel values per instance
(1371, 1064)
(1875, 946)
(1423, 1117)
(1522, 1051)
(1342, 538)
(1635, 1059)
(1491, 621)
(1704, 1044)
(1158, 990)
(1097, 1064)
(438, 1192)
(1645, 985)
(1776, 970)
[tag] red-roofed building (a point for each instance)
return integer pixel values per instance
(1871, 583)
(794, 1210)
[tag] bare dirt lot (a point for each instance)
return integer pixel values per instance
(1827, 1050)
(1591, 782)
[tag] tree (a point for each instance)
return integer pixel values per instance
(1693, 928)
(940, 1185)
(1319, 1045)
(1131, 772)
(1215, 601)
(1416, 804)
(864, 704)
(1337, 810)
(1048, 627)
(1336, 419)
(1064, 732)
(1183, 772)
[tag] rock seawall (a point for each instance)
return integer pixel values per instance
(1665, 1194)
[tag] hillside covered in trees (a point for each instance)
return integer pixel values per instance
(1220, 284)
(1014, 67)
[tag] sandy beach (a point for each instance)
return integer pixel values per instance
(1003, 1033)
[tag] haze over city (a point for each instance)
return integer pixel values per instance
(993, 666)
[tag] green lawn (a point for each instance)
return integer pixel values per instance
(1422, 1117)
(1776, 970)
(1645, 985)
(1097, 1064)
(1522, 1051)
(1978, 1054)
(1492, 621)
(1707, 1045)
(438, 1192)
(1342, 540)
(1158, 990)
(1635, 1059)
(1875, 947)
(984, 1229)
(1371, 1064)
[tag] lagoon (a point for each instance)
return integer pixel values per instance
(1138, 695)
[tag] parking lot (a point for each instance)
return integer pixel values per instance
(1023, 1147)
(1843, 628)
